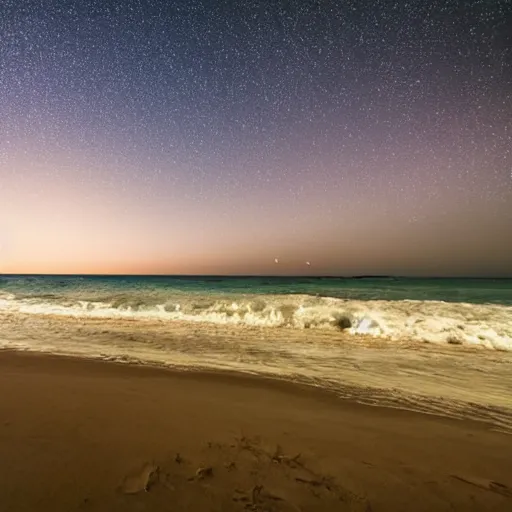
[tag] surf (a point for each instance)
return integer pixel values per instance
(479, 325)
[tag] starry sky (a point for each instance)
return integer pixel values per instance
(212, 137)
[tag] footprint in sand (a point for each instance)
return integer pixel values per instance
(140, 480)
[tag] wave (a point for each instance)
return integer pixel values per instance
(488, 325)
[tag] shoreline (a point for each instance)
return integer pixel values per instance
(241, 379)
(79, 434)
(444, 381)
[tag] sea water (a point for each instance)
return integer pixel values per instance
(432, 345)
(455, 311)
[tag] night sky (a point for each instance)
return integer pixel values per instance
(204, 137)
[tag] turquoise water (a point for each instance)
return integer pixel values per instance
(454, 311)
(473, 291)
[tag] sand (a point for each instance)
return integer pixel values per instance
(95, 436)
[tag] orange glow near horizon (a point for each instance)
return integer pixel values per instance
(64, 225)
(156, 138)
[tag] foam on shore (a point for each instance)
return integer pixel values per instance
(485, 325)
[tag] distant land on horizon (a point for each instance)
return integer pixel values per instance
(258, 276)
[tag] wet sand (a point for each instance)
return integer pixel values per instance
(445, 380)
(97, 436)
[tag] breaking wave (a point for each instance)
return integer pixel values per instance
(485, 325)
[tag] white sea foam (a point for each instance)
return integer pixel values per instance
(484, 325)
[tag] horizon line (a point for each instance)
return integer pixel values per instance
(316, 276)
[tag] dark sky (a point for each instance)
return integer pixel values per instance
(213, 137)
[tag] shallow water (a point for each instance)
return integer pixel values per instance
(453, 311)
(454, 381)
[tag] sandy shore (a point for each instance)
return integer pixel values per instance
(86, 435)
(445, 380)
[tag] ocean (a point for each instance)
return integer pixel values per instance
(456, 311)
(440, 346)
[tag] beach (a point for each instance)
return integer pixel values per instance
(254, 256)
(254, 394)
(89, 435)
(456, 381)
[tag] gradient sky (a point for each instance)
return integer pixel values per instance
(212, 137)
